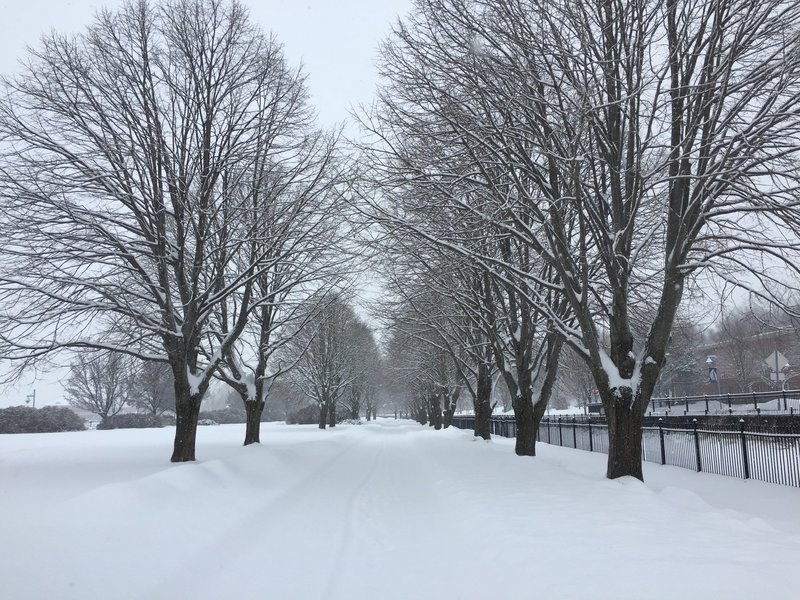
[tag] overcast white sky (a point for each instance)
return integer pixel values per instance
(336, 40)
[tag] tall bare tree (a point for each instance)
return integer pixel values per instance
(127, 153)
(297, 214)
(323, 358)
(100, 382)
(153, 392)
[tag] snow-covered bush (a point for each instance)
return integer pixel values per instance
(49, 419)
(307, 415)
(132, 421)
(225, 416)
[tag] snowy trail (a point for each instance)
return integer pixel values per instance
(365, 509)
(387, 510)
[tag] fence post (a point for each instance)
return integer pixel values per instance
(745, 460)
(697, 445)
(706, 399)
(784, 399)
(574, 433)
(755, 403)
(560, 433)
(730, 410)
(591, 445)
(686, 404)
(661, 438)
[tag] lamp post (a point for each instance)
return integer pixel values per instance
(30, 397)
(786, 368)
(713, 376)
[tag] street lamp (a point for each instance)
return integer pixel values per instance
(713, 376)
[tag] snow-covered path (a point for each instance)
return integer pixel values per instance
(361, 514)
(385, 510)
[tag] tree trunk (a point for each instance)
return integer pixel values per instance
(450, 408)
(252, 433)
(436, 412)
(332, 415)
(187, 412)
(482, 406)
(526, 427)
(323, 415)
(624, 438)
(447, 417)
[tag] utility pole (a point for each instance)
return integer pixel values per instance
(30, 397)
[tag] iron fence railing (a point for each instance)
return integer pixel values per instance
(770, 457)
(772, 402)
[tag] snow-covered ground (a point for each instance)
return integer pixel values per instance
(385, 510)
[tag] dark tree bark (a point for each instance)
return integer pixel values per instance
(450, 409)
(624, 441)
(482, 404)
(526, 428)
(436, 411)
(422, 416)
(323, 416)
(187, 412)
(332, 415)
(253, 410)
(355, 411)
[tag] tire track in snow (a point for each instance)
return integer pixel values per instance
(350, 524)
(369, 507)
(221, 556)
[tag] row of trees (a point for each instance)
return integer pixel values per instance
(165, 194)
(335, 362)
(536, 176)
(562, 174)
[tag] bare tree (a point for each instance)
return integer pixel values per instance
(406, 377)
(126, 156)
(100, 383)
(324, 362)
(366, 373)
(627, 145)
(152, 391)
(438, 301)
(297, 212)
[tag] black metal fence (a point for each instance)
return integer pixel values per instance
(774, 402)
(770, 457)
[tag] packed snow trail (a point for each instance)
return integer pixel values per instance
(364, 511)
(382, 510)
